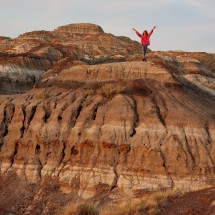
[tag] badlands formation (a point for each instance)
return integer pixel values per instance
(78, 105)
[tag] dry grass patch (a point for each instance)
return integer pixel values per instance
(148, 204)
(80, 209)
(108, 90)
(85, 209)
(43, 95)
(90, 92)
(87, 101)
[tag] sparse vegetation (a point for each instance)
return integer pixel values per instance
(87, 101)
(85, 209)
(90, 92)
(148, 204)
(149, 112)
(43, 95)
(93, 61)
(108, 90)
(80, 209)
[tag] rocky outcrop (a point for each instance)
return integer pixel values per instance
(4, 40)
(42, 49)
(81, 28)
(133, 125)
(20, 73)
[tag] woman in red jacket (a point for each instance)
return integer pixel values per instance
(145, 40)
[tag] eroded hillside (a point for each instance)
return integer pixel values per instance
(25, 58)
(128, 125)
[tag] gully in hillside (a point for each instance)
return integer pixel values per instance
(145, 40)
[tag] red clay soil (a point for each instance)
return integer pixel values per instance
(194, 203)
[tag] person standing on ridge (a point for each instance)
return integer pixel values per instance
(145, 40)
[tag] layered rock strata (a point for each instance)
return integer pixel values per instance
(81, 28)
(132, 125)
(25, 58)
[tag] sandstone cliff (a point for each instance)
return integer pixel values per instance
(81, 28)
(152, 126)
(129, 125)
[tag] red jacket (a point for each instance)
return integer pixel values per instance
(145, 39)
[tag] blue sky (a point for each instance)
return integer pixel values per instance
(181, 24)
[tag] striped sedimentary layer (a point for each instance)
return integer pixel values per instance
(156, 131)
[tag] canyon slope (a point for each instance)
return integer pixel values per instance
(90, 114)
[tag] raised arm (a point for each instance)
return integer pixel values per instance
(150, 33)
(138, 34)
